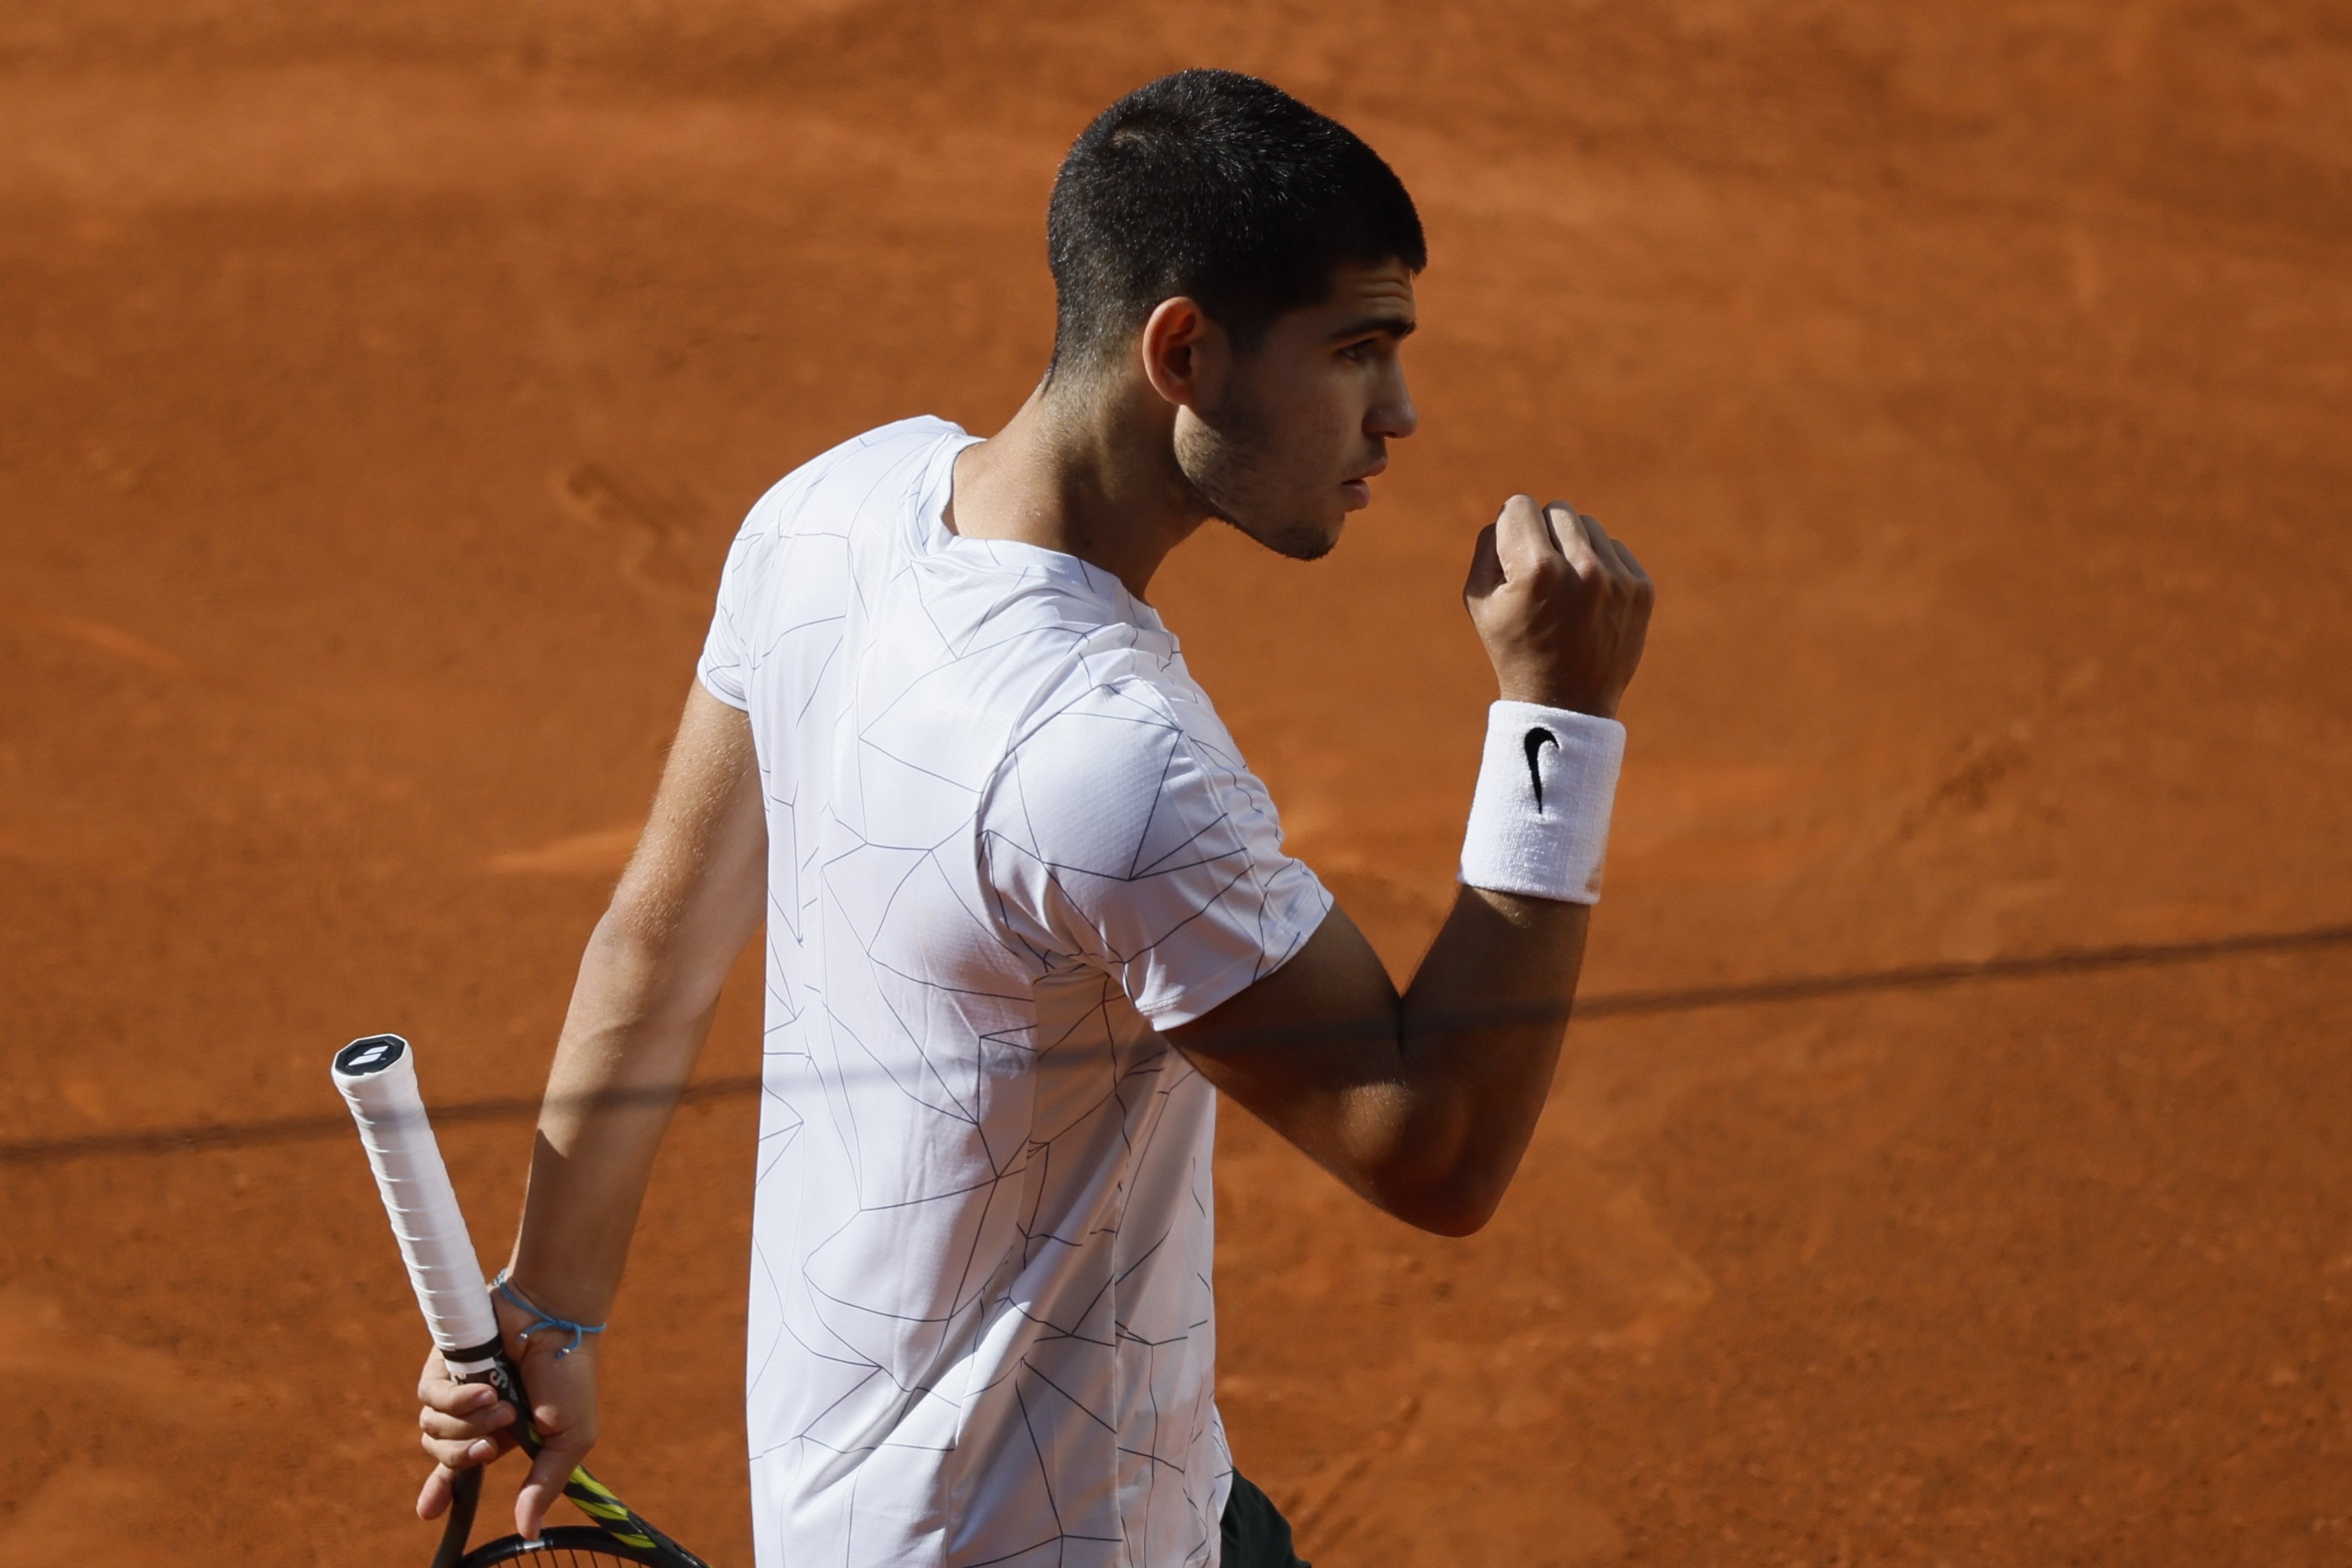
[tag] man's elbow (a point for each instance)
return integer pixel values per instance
(628, 933)
(635, 953)
(1430, 1167)
(1458, 1204)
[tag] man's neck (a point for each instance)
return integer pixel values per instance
(1085, 471)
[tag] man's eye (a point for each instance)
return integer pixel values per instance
(1359, 352)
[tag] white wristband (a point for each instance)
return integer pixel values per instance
(1539, 820)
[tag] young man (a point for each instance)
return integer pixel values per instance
(1026, 908)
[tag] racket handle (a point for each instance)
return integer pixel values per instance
(378, 1077)
(464, 1500)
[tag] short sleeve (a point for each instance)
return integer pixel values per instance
(1118, 836)
(724, 662)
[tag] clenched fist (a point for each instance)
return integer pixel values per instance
(1562, 608)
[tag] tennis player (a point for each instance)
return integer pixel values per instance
(1027, 910)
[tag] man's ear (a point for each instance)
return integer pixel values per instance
(1186, 356)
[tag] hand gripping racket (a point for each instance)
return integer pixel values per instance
(378, 1078)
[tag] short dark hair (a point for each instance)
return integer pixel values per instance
(1224, 189)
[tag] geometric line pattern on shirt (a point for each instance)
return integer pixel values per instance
(1006, 829)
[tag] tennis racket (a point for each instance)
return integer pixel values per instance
(378, 1078)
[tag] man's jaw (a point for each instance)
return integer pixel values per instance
(1296, 540)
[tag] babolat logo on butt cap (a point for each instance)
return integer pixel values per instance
(372, 1054)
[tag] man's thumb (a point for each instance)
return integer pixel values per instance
(548, 1471)
(1486, 573)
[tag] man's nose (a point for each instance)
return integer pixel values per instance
(1394, 417)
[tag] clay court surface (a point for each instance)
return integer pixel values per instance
(380, 386)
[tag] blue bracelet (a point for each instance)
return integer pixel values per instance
(544, 1320)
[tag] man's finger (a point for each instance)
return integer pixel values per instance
(439, 1488)
(1604, 548)
(1575, 543)
(1611, 551)
(480, 1423)
(461, 1453)
(1522, 540)
(454, 1398)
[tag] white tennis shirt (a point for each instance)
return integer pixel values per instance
(1008, 840)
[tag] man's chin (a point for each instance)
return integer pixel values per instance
(1298, 541)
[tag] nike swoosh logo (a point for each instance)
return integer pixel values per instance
(1537, 740)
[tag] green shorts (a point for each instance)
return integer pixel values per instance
(1255, 1534)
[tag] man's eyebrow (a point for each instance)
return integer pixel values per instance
(1397, 326)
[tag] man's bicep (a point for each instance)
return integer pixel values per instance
(1297, 1048)
(696, 883)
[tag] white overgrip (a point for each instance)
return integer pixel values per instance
(377, 1076)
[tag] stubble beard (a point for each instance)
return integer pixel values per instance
(1229, 462)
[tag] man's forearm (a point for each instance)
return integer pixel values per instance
(1479, 1037)
(628, 1046)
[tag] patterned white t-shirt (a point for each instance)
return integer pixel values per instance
(1008, 840)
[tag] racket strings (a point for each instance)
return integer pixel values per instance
(571, 1552)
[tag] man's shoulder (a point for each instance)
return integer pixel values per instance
(884, 464)
(885, 445)
(1125, 721)
(971, 674)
